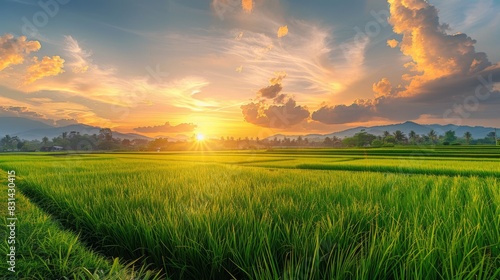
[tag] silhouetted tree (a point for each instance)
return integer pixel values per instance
(413, 136)
(386, 134)
(105, 134)
(399, 136)
(468, 137)
(449, 136)
(328, 142)
(432, 136)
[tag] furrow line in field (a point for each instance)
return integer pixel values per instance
(381, 169)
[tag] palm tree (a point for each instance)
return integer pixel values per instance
(413, 136)
(432, 136)
(45, 140)
(386, 134)
(468, 137)
(399, 136)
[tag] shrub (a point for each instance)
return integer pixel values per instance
(377, 143)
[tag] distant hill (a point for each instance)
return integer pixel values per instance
(477, 132)
(13, 125)
(30, 130)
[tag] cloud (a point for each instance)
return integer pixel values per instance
(446, 77)
(312, 56)
(359, 111)
(313, 63)
(434, 53)
(247, 5)
(393, 43)
(282, 31)
(48, 66)
(239, 36)
(65, 122)
(274, 116)
(122, 93)
(80, 58)
(278, 79)
(283, 113)
(382, 88)
(13, 51)
(49, 106)
(167, 128)
(19, 111)
(270, 92)
(280, 99)
(27, 113)
(451, 99)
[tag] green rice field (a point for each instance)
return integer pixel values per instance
(429, 213)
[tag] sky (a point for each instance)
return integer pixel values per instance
(250, 67)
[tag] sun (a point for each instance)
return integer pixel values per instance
(200, 137)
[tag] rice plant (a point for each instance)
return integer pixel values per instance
(272, 216)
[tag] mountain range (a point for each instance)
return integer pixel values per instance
(28, 129)
(477, 132)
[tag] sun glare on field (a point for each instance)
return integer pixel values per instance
(200, 137)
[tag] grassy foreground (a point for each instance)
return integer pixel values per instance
(256, 216)
(46, 251)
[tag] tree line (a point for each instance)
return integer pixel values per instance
(104, 141)
(364, 139)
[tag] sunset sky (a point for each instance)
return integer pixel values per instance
(250, 68)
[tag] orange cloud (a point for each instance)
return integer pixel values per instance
(382, 88)
(360, 111)
(14, 50)
(392, 43)
(51, 111)
(278, 79)
(270, 91)
(444, 67)
(48, 66)
(247, 5)
(313, 65)
(283, 113)
(120, 94)
(275, 116)
(282, 31)
(435, 53)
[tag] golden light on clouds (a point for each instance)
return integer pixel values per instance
(393, 43)
(247, 5)
(48, 66)
(382, 88)
(282, 31)
(434, 53)
(278, 79)
(240, 54)
(14, 50)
